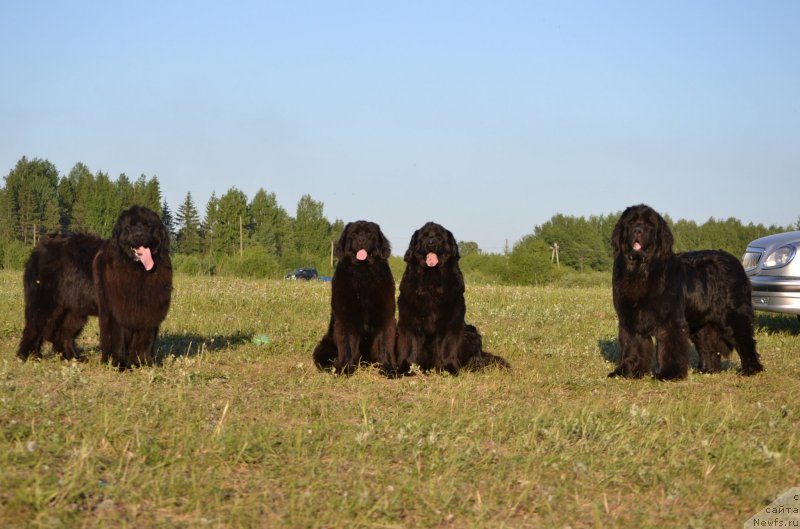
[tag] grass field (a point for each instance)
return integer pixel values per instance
(233, 433)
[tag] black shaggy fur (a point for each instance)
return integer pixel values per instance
(59, 293)
(132, 301)
(431, 328)
(703, 296)
(362, 326)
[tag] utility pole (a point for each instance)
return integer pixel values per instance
(554, 254)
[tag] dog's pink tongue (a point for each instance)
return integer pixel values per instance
(637, 246)
(431, 259)
(145, 257)
(361, 255)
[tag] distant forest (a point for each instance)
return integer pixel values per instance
(256, 237)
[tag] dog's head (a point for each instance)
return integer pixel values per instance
(641, 234)
(432, 246)
(362, 242)
(139, 235)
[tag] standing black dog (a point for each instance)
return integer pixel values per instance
(431, 328)
(701, 295)
(126, 280)
(362, 325)
(133, 283)
(59, 293)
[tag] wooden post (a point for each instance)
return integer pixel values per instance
(241, 238)
(554, 254)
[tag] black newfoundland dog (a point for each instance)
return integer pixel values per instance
(126, 280)
(59, 293)
(431, 328)
(703, 296)
(362, 326)
(133, 282)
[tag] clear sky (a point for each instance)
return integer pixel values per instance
(488, 117)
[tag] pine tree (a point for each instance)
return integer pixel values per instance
(232, 219)
(30, 186)
(269, 222)
(311, 229)
(188, 223)
(168, 220)
(210, 224)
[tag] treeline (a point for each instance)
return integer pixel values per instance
(235, 235)
(256, 237)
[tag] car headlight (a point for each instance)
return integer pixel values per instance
(750, 259)
(780, 257)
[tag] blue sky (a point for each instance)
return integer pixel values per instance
(488, 117)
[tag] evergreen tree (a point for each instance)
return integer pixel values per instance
(269, 222)
(32, 188)
(6, 217)
(102, 205)
(188, 224)
(147, 193)
(125, 191)
(210, 224)
(232, 220)
(66, 198)
(311, 229)
(168, 220)
(81, 184)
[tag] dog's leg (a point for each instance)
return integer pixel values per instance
(71, 327)
(636, 354)
(384, 348)
(446, 353)
(673, 351)
(710, 348)
(142, 343)
(347, 349)
(742, 330)
(38, 327)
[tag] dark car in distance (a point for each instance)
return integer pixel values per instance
(303, 273)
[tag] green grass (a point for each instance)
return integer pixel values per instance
(229, 433)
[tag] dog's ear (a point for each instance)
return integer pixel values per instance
(116, 231)
(412, 246)
(384, 247)
(618, 235)
(338, 250)
(451, 241)
(664, 238)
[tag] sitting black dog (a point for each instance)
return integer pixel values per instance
(362, 327)
(432, 332)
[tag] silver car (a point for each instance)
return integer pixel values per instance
(773, 266)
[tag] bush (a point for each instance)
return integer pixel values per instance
(485, 268)
(529, 263)
(254, 263)
(14, 255)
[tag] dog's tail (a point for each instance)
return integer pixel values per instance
(477, 358)
(325, 354)
(486, 359)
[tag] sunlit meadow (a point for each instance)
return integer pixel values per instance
(237, 428)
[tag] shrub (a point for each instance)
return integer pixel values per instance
(256, 262)
(14, 255)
